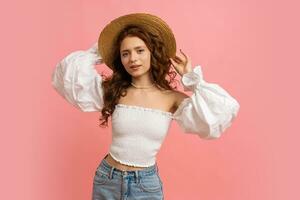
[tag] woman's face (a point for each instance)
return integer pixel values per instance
(135, 56)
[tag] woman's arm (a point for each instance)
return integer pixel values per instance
(77, 81)
(209, 111)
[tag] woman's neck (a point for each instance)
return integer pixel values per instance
(142, 81)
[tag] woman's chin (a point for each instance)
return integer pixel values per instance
(136, 73)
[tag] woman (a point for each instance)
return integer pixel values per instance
(140, 49)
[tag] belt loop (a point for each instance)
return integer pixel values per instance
(105, 156)
(111, 173)
(137, 178)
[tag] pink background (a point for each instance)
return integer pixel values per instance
(50, 150)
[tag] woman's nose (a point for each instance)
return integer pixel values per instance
(133, 57)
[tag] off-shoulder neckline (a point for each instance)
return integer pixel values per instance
(145, 108)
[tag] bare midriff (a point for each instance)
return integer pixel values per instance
(111, 161)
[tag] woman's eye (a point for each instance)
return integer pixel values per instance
(139, 51)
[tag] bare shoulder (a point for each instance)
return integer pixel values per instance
(173, 99)
(177, 97)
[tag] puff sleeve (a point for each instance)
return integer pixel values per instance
(76, 79)
(209, 111)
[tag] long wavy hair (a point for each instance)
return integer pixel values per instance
(116, 84)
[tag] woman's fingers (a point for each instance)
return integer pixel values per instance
(181, 62)
(186, 57)
(175, 65)
(178, 60)
(182, 56)
(173, 62)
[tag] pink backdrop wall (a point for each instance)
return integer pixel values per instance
(50, 150)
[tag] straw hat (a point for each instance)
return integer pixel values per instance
(150, 22)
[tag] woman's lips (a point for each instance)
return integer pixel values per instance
(134, 67)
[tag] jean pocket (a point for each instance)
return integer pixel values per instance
(151, 183)
(100, 178)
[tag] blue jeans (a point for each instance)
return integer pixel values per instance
(110, 183)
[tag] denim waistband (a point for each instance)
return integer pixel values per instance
(106, 168)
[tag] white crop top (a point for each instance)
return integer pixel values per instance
(138, 132)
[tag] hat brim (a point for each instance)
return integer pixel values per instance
(150, 22)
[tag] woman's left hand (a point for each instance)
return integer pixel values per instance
(182, 63)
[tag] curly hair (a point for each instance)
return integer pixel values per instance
(115, 85)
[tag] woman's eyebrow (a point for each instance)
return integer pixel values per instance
(137, 47)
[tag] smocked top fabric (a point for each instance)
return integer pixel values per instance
(138, 132)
